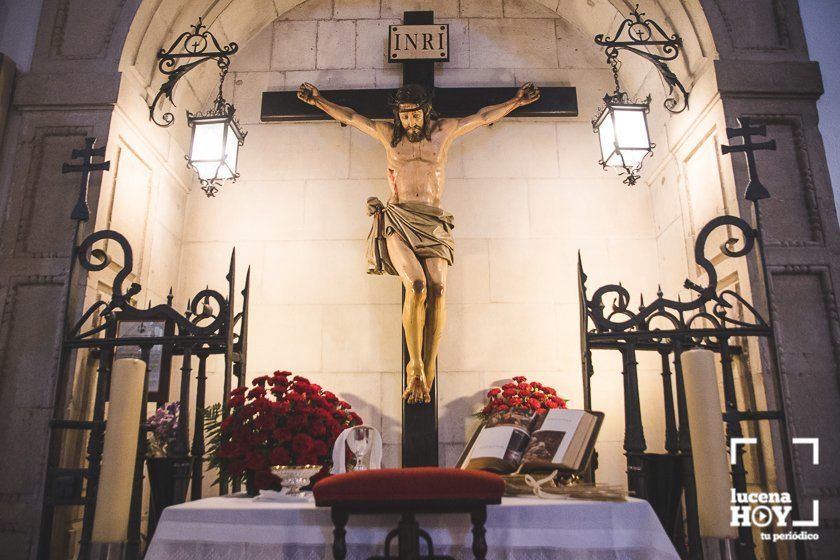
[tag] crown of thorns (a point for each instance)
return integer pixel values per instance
(413, 95)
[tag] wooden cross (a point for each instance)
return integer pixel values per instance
(755, 190)
(419, 421)
(81, 212)
(284, 106)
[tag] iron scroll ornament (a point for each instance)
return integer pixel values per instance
(621, 318)
(198, 44)
(206, 311)
(636, 34)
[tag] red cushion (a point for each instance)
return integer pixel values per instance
(409, 485)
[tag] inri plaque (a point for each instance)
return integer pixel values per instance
(418, 42)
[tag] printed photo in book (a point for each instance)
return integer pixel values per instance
(518, 439)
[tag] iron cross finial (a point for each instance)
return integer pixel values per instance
(81, 211)
(755, 190)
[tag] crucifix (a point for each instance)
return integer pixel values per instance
(411, 234)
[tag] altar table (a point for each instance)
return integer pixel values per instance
(521, 528)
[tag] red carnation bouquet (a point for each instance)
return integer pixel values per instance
(280, 421)
(519, 393)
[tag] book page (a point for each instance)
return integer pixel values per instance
(492, 442)
(504, 437)
(551, 441)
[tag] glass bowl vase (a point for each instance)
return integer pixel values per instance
(294, 477)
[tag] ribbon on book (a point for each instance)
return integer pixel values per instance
(548, 488)
(537, 485)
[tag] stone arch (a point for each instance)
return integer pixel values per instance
(81, 53)
(155, 24)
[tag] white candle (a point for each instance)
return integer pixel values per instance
(116, 479)
(708, 443)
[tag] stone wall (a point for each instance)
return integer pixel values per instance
(526, 197)
(741, 58)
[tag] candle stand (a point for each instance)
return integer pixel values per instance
(209, 326)
(720, 320)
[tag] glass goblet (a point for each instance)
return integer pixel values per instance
(359, 443)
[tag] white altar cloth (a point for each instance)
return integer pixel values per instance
(521, 528)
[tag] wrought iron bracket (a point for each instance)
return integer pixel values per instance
(645, 38)
(189, 50)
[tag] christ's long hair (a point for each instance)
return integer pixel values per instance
(415, 95)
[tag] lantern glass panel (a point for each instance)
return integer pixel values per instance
(231, 151)
(606, 136)
(208, 140)
(207, 170)
(631, 128)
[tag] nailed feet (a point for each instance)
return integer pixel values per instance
(416, 389)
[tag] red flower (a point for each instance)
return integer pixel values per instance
(280, 456)
(520, 393)
(301, 443)
(320, 449)
(307, 459)
(255, 461)
(265, 421)
(282, 435)
(227, 450)
(256, 392)
(279, 420)
(301, 385)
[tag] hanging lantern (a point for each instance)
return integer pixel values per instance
(621, 125)
(622, 129)
(214, 149)
(216, 138)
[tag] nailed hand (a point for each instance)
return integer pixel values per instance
(528, 93)
(308, 93)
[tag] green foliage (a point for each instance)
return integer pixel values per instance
(212, 419)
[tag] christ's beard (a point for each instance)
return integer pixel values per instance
(414, 134)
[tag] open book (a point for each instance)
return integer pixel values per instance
(519, 439)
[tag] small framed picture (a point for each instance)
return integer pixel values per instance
(160, 356)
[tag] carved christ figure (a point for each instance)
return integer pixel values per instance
(411, 235)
